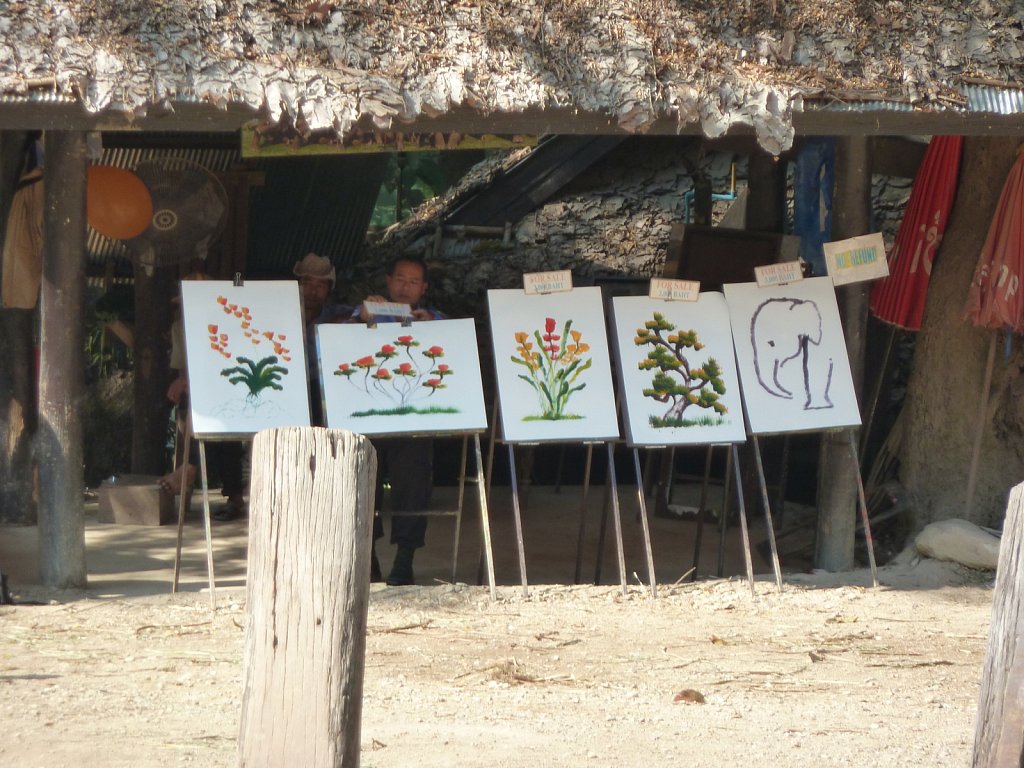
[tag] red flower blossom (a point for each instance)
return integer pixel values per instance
(404, 339)
(211, 328)
(382, 373)
(387, 349)
(364, 362)
(435, 351)
(405, 368)
(549, 324)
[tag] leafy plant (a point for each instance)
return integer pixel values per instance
(553, 367)
(256, 376)
(676, 381)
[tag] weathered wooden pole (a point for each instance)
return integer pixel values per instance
(62, 364)
(999, 728)
(151, 368)
(310, 523)
(837, 481)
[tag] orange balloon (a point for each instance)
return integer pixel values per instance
(117, 202)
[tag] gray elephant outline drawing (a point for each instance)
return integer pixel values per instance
(783, 330)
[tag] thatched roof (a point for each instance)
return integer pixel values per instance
(715, 63)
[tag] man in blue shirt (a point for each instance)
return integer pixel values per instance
(407, 462)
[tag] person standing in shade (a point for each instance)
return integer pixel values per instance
(407, 463)
(317, 278)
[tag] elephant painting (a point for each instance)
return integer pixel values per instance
(786, 337)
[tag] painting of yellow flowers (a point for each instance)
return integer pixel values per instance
(552, 365)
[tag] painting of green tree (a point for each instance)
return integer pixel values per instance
(679, 380)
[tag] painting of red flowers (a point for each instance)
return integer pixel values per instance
(394, 379)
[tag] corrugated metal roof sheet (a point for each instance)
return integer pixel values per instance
(986, 98)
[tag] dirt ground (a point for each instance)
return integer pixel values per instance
(829, 672)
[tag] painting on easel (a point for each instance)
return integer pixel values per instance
(393, 379)
(677, 370)
(552, 364)
(792, 357)
(245, 356)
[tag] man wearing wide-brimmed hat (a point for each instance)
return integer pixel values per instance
(317, 278)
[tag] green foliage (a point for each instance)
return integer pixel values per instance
(675, 380)
(256, 376)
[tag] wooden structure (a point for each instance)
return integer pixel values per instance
(999, 730)
(311, 518)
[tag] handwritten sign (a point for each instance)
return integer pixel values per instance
(856, 259)
(674, 290)
(387, 309)
(778, 274)
(547, 282)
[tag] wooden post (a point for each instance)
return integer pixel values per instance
(151, 365)
(837, 484)
(310, 523)
(999, 730)
(62, 364)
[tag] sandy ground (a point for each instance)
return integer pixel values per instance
(829, 672)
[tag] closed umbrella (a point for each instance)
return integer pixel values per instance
(899, 298)
(994, 299)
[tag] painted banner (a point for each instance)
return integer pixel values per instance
(391, 379)
(792, 357)
(677, 371)
(552, 364)
(245, 356)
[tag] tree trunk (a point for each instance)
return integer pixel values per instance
(62, 364)
(999, 730)
(944, 392)
(837, 472)
(17, 375)
(308, 590)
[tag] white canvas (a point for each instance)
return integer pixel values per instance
(245, 356)
(393, 379)
(677, 371)
(552, 365)
(792, 357)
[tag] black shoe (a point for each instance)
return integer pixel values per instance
(376, 577)
(401, 570)
(233, 508)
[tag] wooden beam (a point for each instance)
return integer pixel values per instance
(62, 364)
(813, 121)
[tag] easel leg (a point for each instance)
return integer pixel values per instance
(583, 515)
(605, 503)
(643, 521)
(723, 521)
(743, 517)
(767, 512)
(181, 508)
(206, 522)
(458, 508)
(701, 510)
(485, 524)
(616, 516)
(518, 519)
(868, 539)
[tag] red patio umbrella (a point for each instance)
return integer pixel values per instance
(899, 299)
(994, 299)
